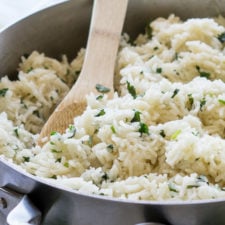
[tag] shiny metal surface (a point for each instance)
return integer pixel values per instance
(17, 208)
(25, 213)
(63, 29)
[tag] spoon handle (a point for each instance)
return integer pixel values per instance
(103, 42)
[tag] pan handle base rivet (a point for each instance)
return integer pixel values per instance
(3, 203)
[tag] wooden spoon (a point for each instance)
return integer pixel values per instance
(98, 68)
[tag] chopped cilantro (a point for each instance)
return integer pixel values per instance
(22, 103)
(26, 159)
(55, 151)
(30, 69)
(162, 133)
(175, 93)
(221, 101)
(131, 90)
(159, 70)
(53, 177)
(172, 187)
(102, 89)
(113, 129)
(190, 101)
(72, 131)
(66, 164)
(99, 97)
(175, 135)
(58, 160)
(3, 92)
(221, 37)
(101, 113)
(203, 73)
(105, 176)
(143, 128)
(136, 117)
(192, 186)
(110, 147)
(176, 56)
(16, 131)
(53, 133)
(202, 103)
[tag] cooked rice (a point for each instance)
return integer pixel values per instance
(161, 137)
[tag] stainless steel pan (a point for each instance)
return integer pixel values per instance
(63, 29)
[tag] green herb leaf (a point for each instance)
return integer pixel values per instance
(16, 131)
(99, 97)
(175, 93)
(110, 147)
(190, 101)
(3, 92)
(66, 164)
(26, 159)
(58, 160)
(172, 187)
(105, 176)
(102, 89)
(159, 70)
(192, 186)
(221, 37)
(113, 129)
(202, 103)
(203, 73)
(72, 130)
(175, 135)
(221, 101)
(143, 128)
(101, 113)
(55, 151)
(131, 90)
(162, 133)
(53, 133)
(136, 117)
(30, 69)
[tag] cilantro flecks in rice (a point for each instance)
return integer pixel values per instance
(163, 130)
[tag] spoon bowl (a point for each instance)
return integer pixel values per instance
(98, 68)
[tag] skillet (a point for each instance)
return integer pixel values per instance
(63, 29)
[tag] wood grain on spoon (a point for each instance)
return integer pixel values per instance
(99, 63)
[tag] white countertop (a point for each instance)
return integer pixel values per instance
(13, 10)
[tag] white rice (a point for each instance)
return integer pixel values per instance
(161, 137)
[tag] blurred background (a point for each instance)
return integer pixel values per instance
(13, 10)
